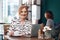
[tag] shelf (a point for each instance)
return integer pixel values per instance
(34, 4)
(4, 23)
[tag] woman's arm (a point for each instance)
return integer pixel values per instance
(10, 31)
(11, 28)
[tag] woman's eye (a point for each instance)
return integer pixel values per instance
(21, 11)
(25, 11)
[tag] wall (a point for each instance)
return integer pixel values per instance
(54, 6)
(43, 8)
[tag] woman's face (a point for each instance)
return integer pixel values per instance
(46, 15)
(23, 13)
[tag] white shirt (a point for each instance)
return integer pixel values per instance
(21, 29)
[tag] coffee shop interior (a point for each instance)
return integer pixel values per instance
(36, 10)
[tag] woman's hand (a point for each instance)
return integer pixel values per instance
(11, 33)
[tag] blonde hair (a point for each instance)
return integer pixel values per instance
(21, 7)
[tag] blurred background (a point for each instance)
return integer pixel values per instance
(37, 8)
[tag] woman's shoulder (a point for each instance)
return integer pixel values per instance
(14, 19)
(50, 20)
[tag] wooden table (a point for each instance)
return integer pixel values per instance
(20, 38)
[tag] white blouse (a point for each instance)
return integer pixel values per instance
(23, 29)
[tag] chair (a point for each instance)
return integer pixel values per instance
(6, 26)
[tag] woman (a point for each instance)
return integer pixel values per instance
(50, 23)
(21, 26)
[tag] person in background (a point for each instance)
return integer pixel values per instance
(22, 25)
(50, 23)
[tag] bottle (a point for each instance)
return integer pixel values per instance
(40, 32)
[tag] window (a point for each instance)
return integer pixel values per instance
(36, 10)
(1, 11)
(10, 8)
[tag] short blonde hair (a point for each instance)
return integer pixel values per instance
(21, 7)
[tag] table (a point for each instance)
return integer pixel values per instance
(20, 38)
